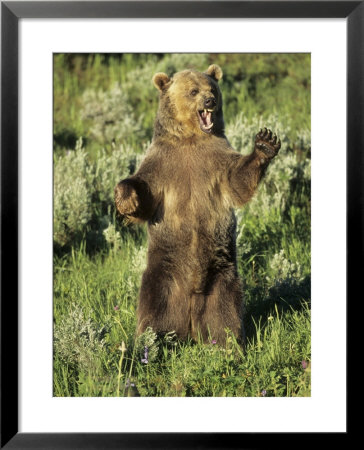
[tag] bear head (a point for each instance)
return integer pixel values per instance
(190, 103)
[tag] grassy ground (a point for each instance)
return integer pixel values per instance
(104, 111)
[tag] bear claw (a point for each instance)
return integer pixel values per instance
(126, 199)
(267, 143)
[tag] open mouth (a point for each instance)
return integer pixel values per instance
(205, 120)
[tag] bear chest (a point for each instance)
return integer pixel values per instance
(194, 187)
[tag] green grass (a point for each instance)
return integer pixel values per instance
(99, 261)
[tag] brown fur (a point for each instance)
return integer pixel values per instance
(186, 188)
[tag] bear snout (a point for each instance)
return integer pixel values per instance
(209, 103)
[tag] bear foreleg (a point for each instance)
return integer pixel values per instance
(247, 171)
(134, 200)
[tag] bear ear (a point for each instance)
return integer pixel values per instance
(160, 80)
(214, 71)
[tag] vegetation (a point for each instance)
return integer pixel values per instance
(104, 108)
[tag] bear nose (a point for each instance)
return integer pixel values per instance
(210, 103)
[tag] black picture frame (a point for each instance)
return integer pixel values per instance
(11, 12)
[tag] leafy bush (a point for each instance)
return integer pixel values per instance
(111, 168)
(78, 341)
(111, 116)
(72, 195)
(281, 268)
(84, 191)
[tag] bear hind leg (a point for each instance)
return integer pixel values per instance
(163, 306)
(222, 308)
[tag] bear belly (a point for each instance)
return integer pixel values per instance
(195, 252)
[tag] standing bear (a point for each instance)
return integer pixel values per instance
(186, 189)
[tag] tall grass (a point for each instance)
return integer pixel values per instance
(104, 107)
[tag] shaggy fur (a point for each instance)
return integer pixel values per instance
(186, 189)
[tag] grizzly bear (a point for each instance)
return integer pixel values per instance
(186, 189)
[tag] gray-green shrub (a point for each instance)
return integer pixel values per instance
(84, 190)
(72, 207)
(111, 116)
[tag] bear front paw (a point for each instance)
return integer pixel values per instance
(126, 199)
(267, 143)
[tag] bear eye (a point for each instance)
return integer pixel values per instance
(194, 92)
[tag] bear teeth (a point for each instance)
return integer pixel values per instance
(205, 120)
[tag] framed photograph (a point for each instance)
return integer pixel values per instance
(78, 114)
